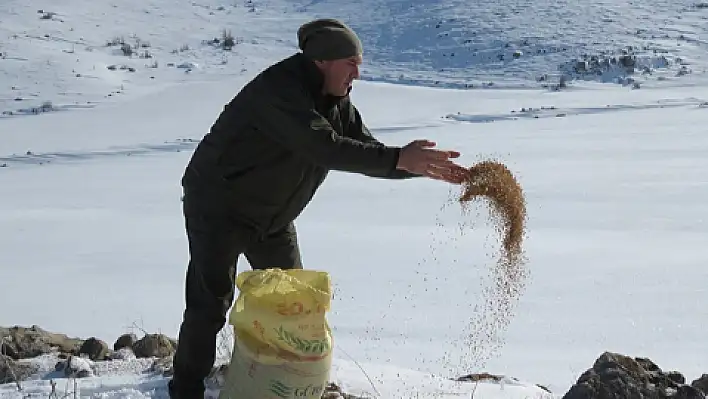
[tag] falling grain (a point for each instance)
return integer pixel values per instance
(492, 183)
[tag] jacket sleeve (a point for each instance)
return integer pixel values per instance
(357, 129)
(288, 116)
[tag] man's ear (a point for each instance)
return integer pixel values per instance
(321, 64)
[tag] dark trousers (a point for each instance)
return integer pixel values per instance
(215, 243)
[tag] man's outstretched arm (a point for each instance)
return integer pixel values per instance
(356, 128)
(289, 118)
(416, 158)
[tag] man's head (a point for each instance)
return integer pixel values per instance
(336, 50)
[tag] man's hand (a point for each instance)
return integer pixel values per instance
(416, 157)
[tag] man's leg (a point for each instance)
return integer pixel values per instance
(214, 245)
(277, 250)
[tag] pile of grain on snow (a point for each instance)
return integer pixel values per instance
(493, 183)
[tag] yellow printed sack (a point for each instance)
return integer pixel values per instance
(283, 343)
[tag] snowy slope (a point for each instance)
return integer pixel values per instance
(515, 42)
(58, 52)
(70, 52)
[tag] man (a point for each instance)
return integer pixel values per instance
(260, 165)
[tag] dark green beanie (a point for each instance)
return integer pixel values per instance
(328, 39)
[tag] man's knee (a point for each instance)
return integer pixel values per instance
(214, 246)
(278, 250)
(209, 293)
(204, 321)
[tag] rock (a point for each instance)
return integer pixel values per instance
(479, 377)
(618, 376)
(61, 365)
(647, 364)
(333, 391)
(701, 383)
(14, 371)
(676, 377)
(123, 354)
(545, 388)
(154, 345)
(77, 367)
(688, 392)
(163, 366)
(125, 341)
(28, 342)
(94, 348)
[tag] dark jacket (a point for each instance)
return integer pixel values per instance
(273, 144)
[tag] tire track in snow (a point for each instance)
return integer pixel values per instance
(31, 158)
(560, 112)
(178, 145)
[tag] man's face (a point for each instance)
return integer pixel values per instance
(339, 74)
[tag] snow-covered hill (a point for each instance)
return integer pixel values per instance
(62, 54)
(77, 53)
(518, 42)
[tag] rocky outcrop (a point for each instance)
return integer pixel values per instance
(333, 391)
(701, 383)
(479, 377)
(154, 345)
(94, 349)
(14, 371)
(616, 376)
(76, 367)
(125, 341)
(28, 342)
(123, 354)
(612, 376)
(619, 65)
(163, 365)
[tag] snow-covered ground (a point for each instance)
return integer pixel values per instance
(614, 234)
(92, 236)
(135, 379)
